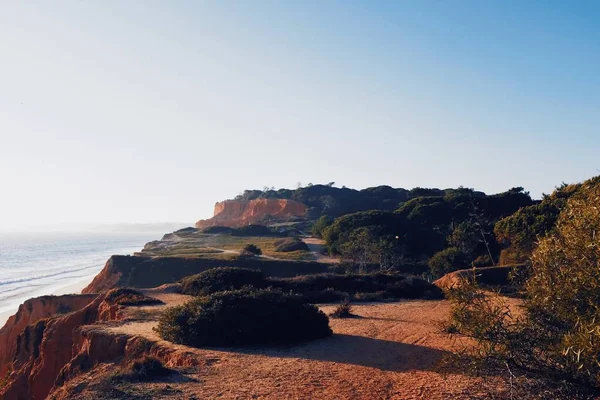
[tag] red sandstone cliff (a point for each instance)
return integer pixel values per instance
(233, 213)
(29, 313)
(36, 354)
(106, 279)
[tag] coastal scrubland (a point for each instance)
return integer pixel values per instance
(338, 303)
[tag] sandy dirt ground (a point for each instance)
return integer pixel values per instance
(389, 351)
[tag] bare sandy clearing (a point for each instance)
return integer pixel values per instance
(390, 351)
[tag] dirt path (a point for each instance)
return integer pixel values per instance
(317, 248)
(390, 351)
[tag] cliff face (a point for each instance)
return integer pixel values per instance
(149, 272)
(233, 214)
(45, 346)
(106, 279)
(42, 349)
(30, 312)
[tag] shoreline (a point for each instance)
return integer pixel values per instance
(81, 255)
(73, 288)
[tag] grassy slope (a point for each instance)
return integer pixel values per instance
(199, 244)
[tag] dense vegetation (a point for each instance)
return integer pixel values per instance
(446, 229)
(448, 260)
(243, 317)
(321, 224)
(335, 202)
(317, 288)
(423, 226)
(557, 336)
(520, 232)
(221, 279)
(248, 230)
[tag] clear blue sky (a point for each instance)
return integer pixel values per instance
(141, 111)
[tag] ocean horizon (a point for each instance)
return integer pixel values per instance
(44, 263)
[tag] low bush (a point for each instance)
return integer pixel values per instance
(448, 260)
(218, 229)
(221, 279)
(394, 285)
(144, 369)
(254, 230)
(251, 250)
(374, 296)
(344, 310)
(419, 268)
(243, 317)
(315, 288)
(129, 297)
(185, 231)
(290, 244)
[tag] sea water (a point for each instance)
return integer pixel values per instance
(36, 264)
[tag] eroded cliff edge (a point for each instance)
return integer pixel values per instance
(53, 338)
(31, 312)
(148, 272)
(233, 213)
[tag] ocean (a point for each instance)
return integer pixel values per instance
(36, 264)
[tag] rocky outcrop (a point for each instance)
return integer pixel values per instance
(233, 213)
(29, 313)
(95, 348)
(43, 349)
(46, 346)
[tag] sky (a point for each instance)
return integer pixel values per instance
(152, 111)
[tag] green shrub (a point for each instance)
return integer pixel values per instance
(344, 310)
(564, 288)
(243, 317)
(316, 288)
(321, 224)
(218, 229)
(448, 260)
(221, 279)
(393, 284)
(186, 231)
(557, 336)
(251, 250)
(129, 297)
(290, 244)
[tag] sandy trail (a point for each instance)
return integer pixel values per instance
(390, 351)
(317, 247)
